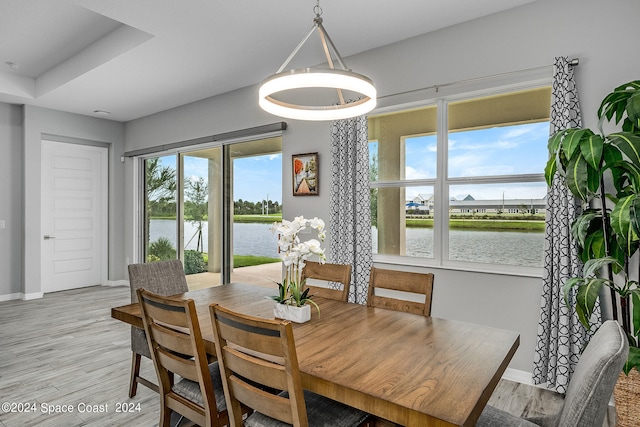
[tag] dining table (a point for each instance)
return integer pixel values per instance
(406, 368)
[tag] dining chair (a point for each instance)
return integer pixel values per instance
(334, 273)
(163, 278)
(177, 348)
(418, 284)
(590, 388)
(257, 353)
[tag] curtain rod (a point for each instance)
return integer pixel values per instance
(258, 130)
(573, 62)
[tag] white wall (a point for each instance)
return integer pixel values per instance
(73, 127)
(523, 38)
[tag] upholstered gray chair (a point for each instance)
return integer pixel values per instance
(590, 389)
(162, 278)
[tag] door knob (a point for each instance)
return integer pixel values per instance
(47, 237)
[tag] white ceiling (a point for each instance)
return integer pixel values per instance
(137, 57)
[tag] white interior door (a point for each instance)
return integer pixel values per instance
(74, 215)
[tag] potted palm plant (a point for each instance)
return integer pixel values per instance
(603, 171)
(293, 301)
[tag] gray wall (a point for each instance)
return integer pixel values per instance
(10, 200)
(519, 39)
(38, 122)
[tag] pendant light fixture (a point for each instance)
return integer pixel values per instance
(340, 79)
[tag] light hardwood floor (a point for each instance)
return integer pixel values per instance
(65, 352)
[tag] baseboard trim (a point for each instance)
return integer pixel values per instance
(24, 297)
(117, 283)
(9, 297)
(38, 295)
(34, 295)
(516, 375)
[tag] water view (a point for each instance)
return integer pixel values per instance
(506, 247)
(248, 238)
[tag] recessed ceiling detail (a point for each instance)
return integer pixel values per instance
(136, 58)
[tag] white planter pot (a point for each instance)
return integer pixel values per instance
(293, 313)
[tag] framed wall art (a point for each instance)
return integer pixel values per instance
(305, 174)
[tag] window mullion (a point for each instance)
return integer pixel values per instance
(441, 219)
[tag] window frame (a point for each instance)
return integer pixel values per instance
(181, 149)
(442, 182)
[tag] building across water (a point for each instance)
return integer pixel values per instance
(423, 203)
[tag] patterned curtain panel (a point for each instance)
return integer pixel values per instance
(561, 336)
(350, 219)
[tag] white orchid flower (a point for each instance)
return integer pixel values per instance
(290, 259)
(316, 223)
(293, 252)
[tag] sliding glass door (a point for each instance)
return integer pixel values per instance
(159, 203)
(255, 178)
(201, 215)
(212, 208)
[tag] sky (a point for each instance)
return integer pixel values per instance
(508, 150)
(520, 149)
(259, 177)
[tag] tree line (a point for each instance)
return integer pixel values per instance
(198, 210)
(161, 196)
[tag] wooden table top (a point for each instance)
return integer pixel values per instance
(409, 369)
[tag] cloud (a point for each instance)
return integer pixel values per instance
(460, 165)
(501, 144)
(516, 132)
(413, 173)
(488, 170)
(505, 138)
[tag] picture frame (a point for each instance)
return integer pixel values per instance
(305, 168)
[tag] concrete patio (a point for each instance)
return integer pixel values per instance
(262, 275)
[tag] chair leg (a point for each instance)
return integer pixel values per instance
(165, 416)
(135, 373)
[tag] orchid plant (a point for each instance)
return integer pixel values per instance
(293, 254)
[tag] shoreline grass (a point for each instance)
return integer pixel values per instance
(249, 260)
(480, 224)
(246, 260)
(535, 225)
(262, 219)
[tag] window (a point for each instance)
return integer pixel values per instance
(159, 204)
(471, 193)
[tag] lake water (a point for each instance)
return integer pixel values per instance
(248, 238)
(506, 247)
